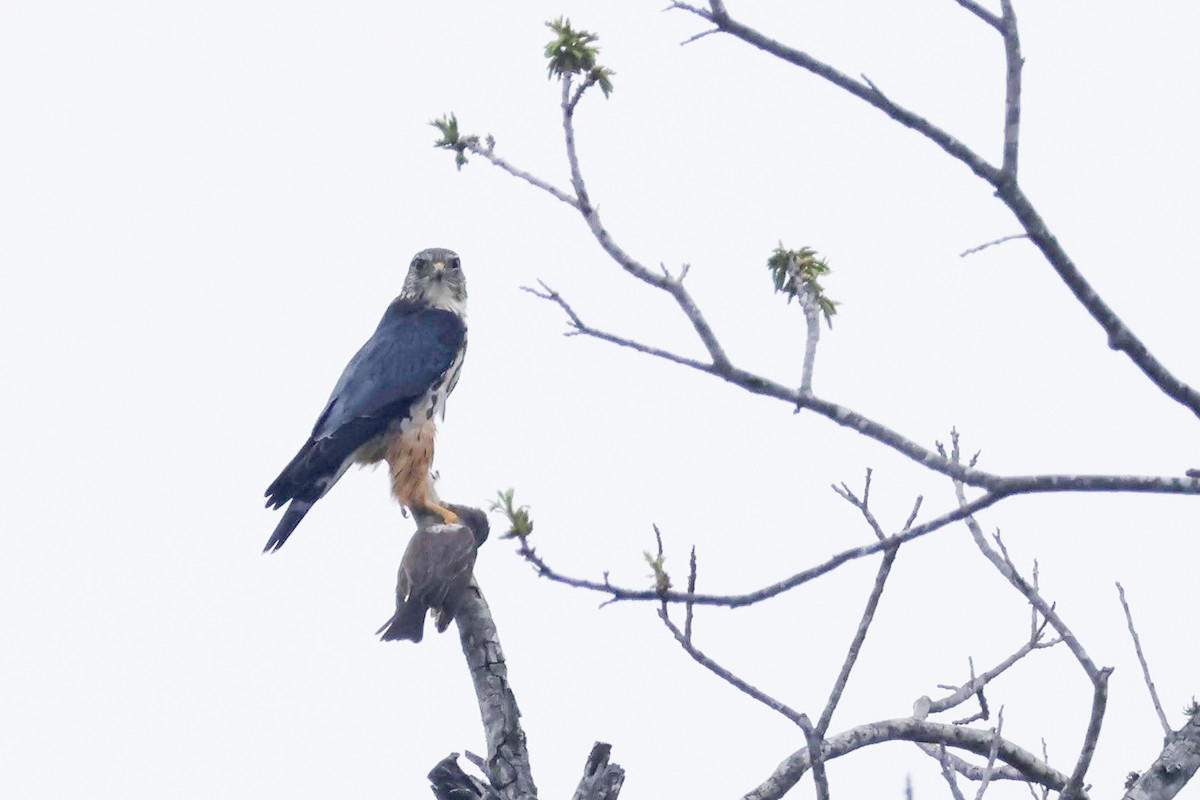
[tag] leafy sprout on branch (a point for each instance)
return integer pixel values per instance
(573, 52)
(451, 139)
(662, 581)
(796, 273)
(520, 523)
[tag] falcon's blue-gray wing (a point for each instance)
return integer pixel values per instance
(409, 351)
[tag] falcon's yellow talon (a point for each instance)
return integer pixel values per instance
(448, 516)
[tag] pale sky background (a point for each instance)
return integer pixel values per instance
(205, 207)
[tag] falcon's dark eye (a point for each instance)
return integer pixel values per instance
(455, 263)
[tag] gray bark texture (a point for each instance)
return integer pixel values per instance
(1171, 771)
(601, 780)
(507, 756)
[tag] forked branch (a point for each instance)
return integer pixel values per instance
(1003, 178)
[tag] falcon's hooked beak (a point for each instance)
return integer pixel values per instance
(439, 269)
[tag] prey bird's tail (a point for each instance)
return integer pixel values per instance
(291, 518)
(407, 623)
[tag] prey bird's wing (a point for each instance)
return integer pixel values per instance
(409, 351)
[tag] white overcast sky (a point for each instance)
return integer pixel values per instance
(205, 206)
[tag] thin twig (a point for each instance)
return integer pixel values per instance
(1137, 646)
(578, 327)
(689, 608)
(699, 36)
(948, 774)
(916, 509)
(993, 243)
(962, 693)
(659, 565)
(991, 762)
(844, 492)
(733, 680)
(487, 154)
(860, 635)
(982, 13)
(973, 772)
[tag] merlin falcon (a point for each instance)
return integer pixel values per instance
(384, 405)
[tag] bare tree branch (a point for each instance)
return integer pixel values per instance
(976, 684)
(972, 740)
(868, 615)
(1097, 676)
(846, 417)
(1012, 91)
(579, 328)
(972, 772)
(671, 285)
(1003, 179)
(948, 772)
(797, 718)
(487, 154)
(860, 635)
(1137, 646)
(618, 593)
(990, 767)
(690, 608)
(801, 720)
(844, 492)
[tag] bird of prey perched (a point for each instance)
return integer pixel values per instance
(435, 572)
(383, 407)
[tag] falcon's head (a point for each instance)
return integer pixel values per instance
(435, 279)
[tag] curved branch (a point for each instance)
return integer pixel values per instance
(972, 740)
(738, 600)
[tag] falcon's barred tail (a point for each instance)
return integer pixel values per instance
(407, 623)
(291, 518)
